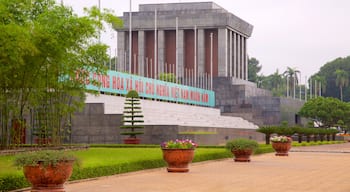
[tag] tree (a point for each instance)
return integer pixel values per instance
(274, 83)
(319, 84)
(342, 80)
(268, 131)
(253, 69)
(327, 72)
(326, 112)
(291, 75)
(44, 46)
(132, 117)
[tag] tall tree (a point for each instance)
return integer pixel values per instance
(291, 75)
(327, 71)
(274, 83)
(43, 45)
(319, 84)
(342, 80)
(253, 69)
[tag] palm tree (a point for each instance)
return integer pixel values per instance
(321, 80)
(342, 80)
(276, 80)
(291, 75)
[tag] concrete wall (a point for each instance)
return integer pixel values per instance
(289, 108)
(235, 98)
(93, 126)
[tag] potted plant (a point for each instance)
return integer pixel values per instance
(46, 170)
(132, 118)
(242, 148)
(281, 144)
(178, 154)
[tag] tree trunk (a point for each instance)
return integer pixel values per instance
(300, 137)
(341, 93)
(267, 138)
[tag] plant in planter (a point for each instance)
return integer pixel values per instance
(178, 154)
(46, 170)
(281, 144)
(242, 148)
(132, 118)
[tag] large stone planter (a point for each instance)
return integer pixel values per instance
(242, 155)
(281, 148)
(50, 178)
(178, 159)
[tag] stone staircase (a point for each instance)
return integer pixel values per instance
(163, 113)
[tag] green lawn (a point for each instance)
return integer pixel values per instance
(115, 159)
(6, 167)
(96, 157)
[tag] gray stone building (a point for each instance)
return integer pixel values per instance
(189, 39)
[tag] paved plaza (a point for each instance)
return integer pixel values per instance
(319, 168)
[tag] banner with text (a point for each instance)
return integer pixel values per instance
(120, 83)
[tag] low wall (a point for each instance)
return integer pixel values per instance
(93, 126)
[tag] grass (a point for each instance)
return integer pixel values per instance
(115, 159)
(99, 156)
(6, 166)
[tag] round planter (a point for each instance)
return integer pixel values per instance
(281, 149)
(132, 141)
(242, 155)
(50, 178)
(178, 159)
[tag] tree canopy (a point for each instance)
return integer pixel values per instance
(328, 112)
(43, 46)
(253, 69)
(328, 72)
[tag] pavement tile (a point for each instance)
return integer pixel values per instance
(310, 169)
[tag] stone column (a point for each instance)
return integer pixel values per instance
(246, 59)
(230, 55)
(201, 51)
(239, 59)
(161, 46)
(222, 52)
(180, 52)
(141, 51)
(121, 51)
(235, 55)
(243, 58)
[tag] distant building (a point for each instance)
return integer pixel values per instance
(192, 40)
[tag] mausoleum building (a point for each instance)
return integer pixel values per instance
(187, 39)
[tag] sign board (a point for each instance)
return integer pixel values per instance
(120, 83)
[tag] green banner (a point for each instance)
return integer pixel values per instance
(121, 83)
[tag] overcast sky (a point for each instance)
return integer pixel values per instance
(302, 34)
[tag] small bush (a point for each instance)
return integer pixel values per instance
(13, 182)
(241, 143)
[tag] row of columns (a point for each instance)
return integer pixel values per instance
(232, 53)
(236, 57)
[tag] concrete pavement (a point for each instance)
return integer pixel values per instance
(311, 169)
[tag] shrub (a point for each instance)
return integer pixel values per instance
(132, 117)
(13, 182)
(241, 143)
(47, 157)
